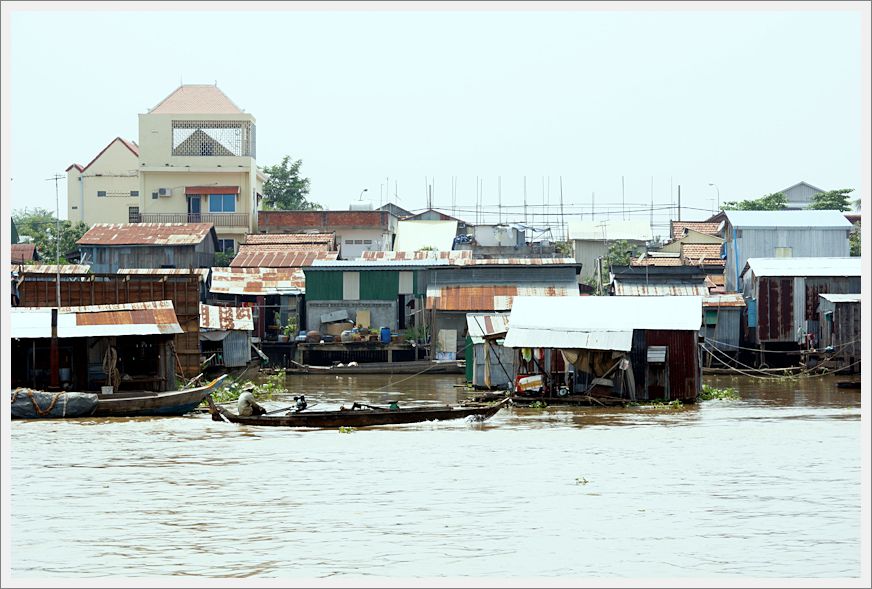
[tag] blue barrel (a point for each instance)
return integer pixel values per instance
(385, 335)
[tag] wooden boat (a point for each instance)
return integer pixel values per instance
(404, 367)
(142, 403)
(35, 404)
(849, 384)
(359, 415)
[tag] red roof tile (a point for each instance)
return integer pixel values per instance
(278, 259)
(196, 99)
(279, 238)
(678, 228)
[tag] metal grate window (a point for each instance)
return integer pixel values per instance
(133, 214)
(213, 138)
(101, 193)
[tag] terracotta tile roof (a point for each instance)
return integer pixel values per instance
(279, 259)
(146, 234)
(497, 297)
(658, 262)
(196, 99)
(678, 228)
(284, 247)
(707, 253)
(278, 238)
(22, 252)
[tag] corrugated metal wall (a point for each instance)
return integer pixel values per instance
(323, 285)
(775, 310)
(502, 275)
(111, 258)
(500, 360)
(727, 329)
(683, 360)
(761, 243)
(237, 348)
(379, 285)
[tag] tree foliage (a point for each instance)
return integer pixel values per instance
(854, 239)
(620, 253)
(771, 202)
(41, 226)
(286, 190)
(833, 200)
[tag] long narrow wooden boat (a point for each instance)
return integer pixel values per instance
(403, 367)
(35, 404)
(145, 403)
(360, 415)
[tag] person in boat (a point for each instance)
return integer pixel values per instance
(247, 406)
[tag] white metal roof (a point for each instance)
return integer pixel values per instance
(416, 235)
(610, 230)
(481, 324)
(149, 318)
(800, 219)
(804, 266)
(597, 322)
(841, 298)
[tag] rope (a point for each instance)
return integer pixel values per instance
(390, 384)
(802, 374)
(709, 340)
(39, 410)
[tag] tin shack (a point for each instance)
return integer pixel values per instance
(630, 348)
(489, 365)
(783, 294)
(839, 316)
(225, 335)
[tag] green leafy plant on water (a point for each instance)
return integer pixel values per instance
(538, 405)
(709, 393)
(346, 430)
(266, 391)
(581, 481)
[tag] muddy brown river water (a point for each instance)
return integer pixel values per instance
(765, 486)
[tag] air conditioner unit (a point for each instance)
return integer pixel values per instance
(164, 191)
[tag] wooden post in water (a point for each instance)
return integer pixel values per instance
(55, 364)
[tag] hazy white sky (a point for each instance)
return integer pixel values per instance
(753, 101)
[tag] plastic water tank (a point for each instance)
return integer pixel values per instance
(385, 335)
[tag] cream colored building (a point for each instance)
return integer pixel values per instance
(196, 163)
(107, 189)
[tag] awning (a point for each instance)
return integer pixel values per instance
(151, 318)
(211, 189)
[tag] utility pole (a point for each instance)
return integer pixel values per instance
(623, 217)
(55, 364)
(679, 202)
(525, 200)
(562, 218)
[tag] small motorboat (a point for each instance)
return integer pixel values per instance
(360, 415)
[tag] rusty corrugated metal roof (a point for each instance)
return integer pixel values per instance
(484, 324)
(236, 318)
(203, 273)
(22, 252)
(51, 269)
(281, 259)
(148, 318)
(258, 281)
(494, 297)
(146, 234)
(515, 262)
(280, 238)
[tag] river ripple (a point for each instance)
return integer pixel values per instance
(767, 486)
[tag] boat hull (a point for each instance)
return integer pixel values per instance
(358, 417)
(34, 404)
(154, 404)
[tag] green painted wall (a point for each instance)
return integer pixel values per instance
(324, 286)
(379, 285)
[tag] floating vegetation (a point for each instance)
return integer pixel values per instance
(230, 392)
(709, 393)
(346, 430)
(656, 404)
(581, 481)
(538, 405)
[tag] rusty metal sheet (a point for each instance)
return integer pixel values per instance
(497, 297)
(280, 259)
(22, 252)
(289, 238)
(515, 262)
(203, 273)
(285, 247)
(480, 325)
(417, 255)
(258, 281)
(724, 300)
(623, 288)
(51, 268)
(231, 318)
(157, 317)
(146, 234)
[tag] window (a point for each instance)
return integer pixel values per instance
(154, 195)
(101, 193)
(367, 242)
(134, 193)
(738, 233)
(133, 214)
(358, 242)
(784, 252)
(222, 203)
(349, 242)
(226, 245)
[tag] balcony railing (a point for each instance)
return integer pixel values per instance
(217, 219)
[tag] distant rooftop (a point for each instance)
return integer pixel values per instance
(196, 99)
(802, 219)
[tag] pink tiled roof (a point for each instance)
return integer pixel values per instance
(282, 238)
(678, 228)
(708, 253)
(196, 99)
